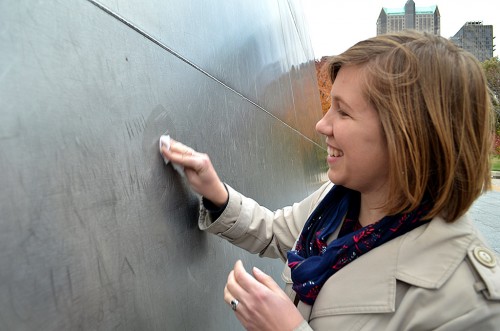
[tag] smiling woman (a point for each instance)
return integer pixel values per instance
(357, 152)
(386, 242)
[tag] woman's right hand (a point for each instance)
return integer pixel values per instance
(199, 171)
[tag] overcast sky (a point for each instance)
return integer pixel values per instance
(335, 25)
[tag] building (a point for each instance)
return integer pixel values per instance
(477, 39)
(410, 17)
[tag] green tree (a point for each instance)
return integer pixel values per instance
(492, 69)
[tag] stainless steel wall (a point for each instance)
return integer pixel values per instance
(96, 233)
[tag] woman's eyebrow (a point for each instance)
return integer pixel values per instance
(338, 98)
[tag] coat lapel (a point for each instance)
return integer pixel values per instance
(429, 256)
(425, 257)
(366, 285)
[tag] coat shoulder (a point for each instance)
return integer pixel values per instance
(484, 264)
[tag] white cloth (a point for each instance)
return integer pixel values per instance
(165, 141)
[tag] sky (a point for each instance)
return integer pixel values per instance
(335, 25)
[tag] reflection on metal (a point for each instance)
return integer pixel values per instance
(96, 232)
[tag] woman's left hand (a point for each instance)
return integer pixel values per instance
(262, 304)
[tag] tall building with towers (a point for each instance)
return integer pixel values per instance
(477, 39)
(409, 17)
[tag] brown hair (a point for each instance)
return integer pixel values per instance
(434, 105)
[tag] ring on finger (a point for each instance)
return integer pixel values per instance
(234, 304)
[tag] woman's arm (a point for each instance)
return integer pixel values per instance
(257, 229)
(243, 222)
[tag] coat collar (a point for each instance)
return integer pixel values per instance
(429, 255)
(425, 257)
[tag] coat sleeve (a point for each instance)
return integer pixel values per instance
(304, 326)
(257, 229)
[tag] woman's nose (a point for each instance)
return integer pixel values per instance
(324, 126)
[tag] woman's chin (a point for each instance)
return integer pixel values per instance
(332, 176)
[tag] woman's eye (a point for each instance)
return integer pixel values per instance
(341, 112)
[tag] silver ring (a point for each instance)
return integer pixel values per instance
(234, 304)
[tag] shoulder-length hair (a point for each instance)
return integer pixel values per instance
(435, 109)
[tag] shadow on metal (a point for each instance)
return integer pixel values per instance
(96, 233)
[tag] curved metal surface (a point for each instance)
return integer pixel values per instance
(96, 233)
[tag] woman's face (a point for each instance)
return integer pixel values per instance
(357, 150)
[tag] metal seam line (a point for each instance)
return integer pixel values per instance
(298, 33)
(177, 55)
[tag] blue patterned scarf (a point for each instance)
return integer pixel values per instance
(313, 261)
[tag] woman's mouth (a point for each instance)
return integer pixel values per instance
(333, 152)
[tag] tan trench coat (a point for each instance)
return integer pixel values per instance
(437, 277)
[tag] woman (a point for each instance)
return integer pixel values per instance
(389, 246)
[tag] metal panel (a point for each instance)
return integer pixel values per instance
(254, 47)
(96, 233)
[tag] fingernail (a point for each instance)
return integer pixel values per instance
(257, 271)
(240, 263)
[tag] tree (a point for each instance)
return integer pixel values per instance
(492, 70)
(324, 84)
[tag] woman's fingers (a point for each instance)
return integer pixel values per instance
(244, 279)
(178, 147)
(261, 305)
(198, 169)
(228, 295)
(241, 285)
(233, 288)
(186, 156)
(265, 280)
(177, 152)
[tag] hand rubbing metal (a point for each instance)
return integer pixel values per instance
(165, 141)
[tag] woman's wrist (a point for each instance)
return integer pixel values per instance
(219, 197)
